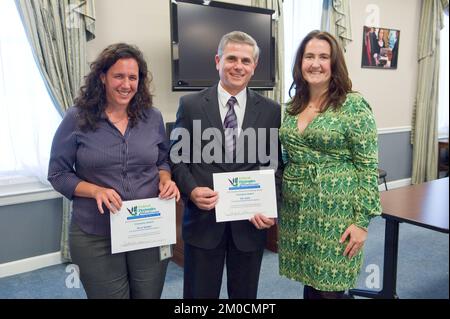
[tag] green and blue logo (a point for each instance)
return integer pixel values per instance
(238, 183)
(142, 211)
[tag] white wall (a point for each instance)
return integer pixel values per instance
(391, 93)
(145, 23)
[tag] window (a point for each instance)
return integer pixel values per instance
(28, 118)
(300, 17)
(443, 81)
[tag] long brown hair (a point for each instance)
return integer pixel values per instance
(91, 99)
(340, 83)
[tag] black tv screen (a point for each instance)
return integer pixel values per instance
(197, 27)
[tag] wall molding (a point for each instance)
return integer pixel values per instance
(13, 199)
(392, 130)
(30, 264)
(21, 191)
(395, 184)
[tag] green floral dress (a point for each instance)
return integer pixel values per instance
(330, 182)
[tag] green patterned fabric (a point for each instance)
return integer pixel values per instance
(330, 182)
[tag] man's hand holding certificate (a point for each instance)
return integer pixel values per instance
(244, 194)
(143, 223)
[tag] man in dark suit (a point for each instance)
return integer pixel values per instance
(369, 47)
(229, 104)
(395, 50)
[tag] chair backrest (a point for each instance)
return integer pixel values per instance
(381, 173)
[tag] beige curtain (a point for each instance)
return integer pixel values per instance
(424, 135)
(336, 19)
(277, 25)
(58, 31)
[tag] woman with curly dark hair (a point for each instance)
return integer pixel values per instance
(111, 146)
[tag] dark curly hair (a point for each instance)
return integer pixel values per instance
(91, 99)
(340, 83)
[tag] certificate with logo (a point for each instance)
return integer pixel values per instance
(244, 194)
(143, 223)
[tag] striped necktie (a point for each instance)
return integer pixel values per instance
(229, 125)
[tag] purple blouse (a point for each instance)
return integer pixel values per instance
(128, 163)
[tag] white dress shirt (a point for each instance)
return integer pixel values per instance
(239, 107)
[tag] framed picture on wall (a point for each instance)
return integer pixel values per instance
(380, 48)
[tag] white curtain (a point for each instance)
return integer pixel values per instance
(59, 31)
(28, 118)
(300, 17)
(277, 94)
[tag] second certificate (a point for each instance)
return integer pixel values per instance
(244, 194)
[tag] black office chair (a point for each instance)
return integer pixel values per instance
(382, 175)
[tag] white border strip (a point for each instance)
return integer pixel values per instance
(29, 264)
(395, 184)
(391, 130)
(13, 199)
(399, 183)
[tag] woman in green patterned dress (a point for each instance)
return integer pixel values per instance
(330, 182)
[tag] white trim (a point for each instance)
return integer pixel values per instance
(395, 184)
(32, 196)
(17, 179)
(26, 193)
(391, 130)
(29, 264)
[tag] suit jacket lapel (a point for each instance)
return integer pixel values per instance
(252, 111)
(211, 109)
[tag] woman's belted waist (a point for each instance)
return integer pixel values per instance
(295, 171)
(298, 170)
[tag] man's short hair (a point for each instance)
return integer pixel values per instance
(238, 37)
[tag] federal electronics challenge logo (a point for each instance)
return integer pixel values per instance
(243, 183)
(142, 211)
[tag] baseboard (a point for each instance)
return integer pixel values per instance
(395, 184)
(393, 130)
(29, 264)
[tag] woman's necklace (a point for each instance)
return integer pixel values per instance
(117, 121)
(315, 109)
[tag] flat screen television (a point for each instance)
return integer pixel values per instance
(196, 29)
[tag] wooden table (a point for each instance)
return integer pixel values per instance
(424, 205)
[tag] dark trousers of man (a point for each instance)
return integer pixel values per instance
(203, 270)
